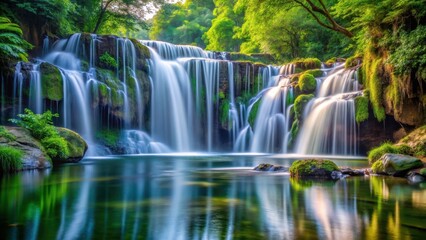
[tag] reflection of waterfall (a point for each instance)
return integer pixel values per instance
(329, 125)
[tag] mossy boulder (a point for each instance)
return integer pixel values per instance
(315, 72)
(398, 164)
(76, 145)
(387, 147)
(307, 63)
(416, 140)
(313, 168)
(307, 83)
(52, 83)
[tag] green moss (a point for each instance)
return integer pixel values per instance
(142, 49)
(378, 167)
(307, 63)
(294, 130)
(4, 133)
(55, 147)
(371, 74)
(352, 62)
(361, 109)
(253, 113)
(307, 83)
(423, 172)
(300, 103)
(103, 90)
(224, 112)
(108, 61)
(75, 143)
(315, 72)
(52, 83)
(306, 168)
(109, 138)
(331, 61)
(387, 147)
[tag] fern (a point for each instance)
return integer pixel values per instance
(12, 45)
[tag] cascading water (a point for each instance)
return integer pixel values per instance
(329, 121)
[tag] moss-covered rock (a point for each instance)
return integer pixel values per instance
(313, 168)
(109, 138)
(378, 168)
(353, 62)
(52, 83)
(300, 103)
(307, 63)
(361, 109)
(416, 140)
(307, 83)
(315, 72)
(77, 147)
(387, 147)
(398, 164)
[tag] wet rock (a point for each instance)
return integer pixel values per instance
(313, 168)
(398, 164)
(266, 167)
(414, 177)
(353, 172)
(337, 175)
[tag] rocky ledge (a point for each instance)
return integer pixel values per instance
(33, 154)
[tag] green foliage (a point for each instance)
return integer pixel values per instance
(56, 147)
(12, 45)
(108, 61)
(372, 69)
(387, 147)
(303, 167)
(300, 103)
(294, 130)
(10, 159)
(307, 83)
(183, 23)
(4, 133)
(361, 109)
(41, 127)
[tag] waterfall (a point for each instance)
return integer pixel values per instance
(329, 125)
(270, 127)
(36, 96)
(171, 104)
(170, 51)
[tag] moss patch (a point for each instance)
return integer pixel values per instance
(307, 63)
(224, 112)
(352, 62)
(378, 167)
(361, 109)
(4, 133)
(307, 83)
(315, 72)
(107, 61)
(109, 138)
(372, 71)
(376, 153)
(300, 103)
(312, 168)
(52, 83)
(253, 113)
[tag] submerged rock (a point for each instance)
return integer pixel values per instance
(266, 167)
(313, 168)
(415, 177)
(396, 164)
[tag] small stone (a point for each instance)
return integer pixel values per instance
(266, 167)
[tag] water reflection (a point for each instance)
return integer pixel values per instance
(203, 198)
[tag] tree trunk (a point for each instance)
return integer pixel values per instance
(101, 15)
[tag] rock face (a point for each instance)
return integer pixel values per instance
(396, 164)
(76, 145)
(313, 168)
(34, 157)
(416, 140)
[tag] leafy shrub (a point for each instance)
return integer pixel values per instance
(10, 159)
(307, 83)
(12, 44)
(41, 127)
(108, 60)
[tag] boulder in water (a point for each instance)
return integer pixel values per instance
(397, 164)
(313, 168)
(266, 167)
(76, 145)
